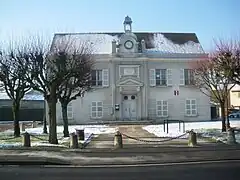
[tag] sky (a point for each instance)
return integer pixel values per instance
(209, 19)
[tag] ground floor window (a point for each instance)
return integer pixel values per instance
(97, 109)
(191, 107)
(162, 108)
(70, 111)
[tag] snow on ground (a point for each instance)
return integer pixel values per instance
(88, 130)
(206, 129)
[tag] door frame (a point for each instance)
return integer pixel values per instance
(122, 109)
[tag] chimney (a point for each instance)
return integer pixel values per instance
(143, 44)
(114, 46)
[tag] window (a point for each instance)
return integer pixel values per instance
(97, 109)
(70, 111)
(162, 108)
(161, 77)
(191, 107)
(96, 78)
(187, 77)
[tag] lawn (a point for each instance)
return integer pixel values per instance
(40, 139)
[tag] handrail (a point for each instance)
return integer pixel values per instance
(166, 121)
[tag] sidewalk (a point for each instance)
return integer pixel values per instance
(123, 156)
(135, 136)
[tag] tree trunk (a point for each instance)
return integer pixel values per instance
(44, 122)
(52, 101)
(228, 122)
(223, 117)
(15, 111)
(65, 120)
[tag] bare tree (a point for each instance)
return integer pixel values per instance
(213, 81)
(74, 87)
(229, 58)
(48, 69)
(12, 76)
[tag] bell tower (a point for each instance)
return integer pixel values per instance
(127, 24)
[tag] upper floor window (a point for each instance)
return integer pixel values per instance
(97, 77)
(187, 77)
(160, 77)
(100, 77)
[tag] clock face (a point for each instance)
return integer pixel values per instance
(128, 44)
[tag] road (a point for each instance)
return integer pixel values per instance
(219, 171)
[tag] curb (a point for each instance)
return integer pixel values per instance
(135, 164)
(27, 160)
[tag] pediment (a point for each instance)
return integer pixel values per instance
(130, 82)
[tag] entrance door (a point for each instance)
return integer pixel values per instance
(129, 111)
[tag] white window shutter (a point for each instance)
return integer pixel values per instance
(169, 77)
(182, 80)
(105, 78)
(152, 77)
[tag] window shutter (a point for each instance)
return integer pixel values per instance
(182, 80)
(152, 77)
(169, 77)
(105, 78)
(194, 77)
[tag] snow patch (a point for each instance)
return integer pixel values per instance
(206, 129)
(88, 131)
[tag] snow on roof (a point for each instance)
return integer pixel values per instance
(236, 88)
(100, 43)
(167, 43)
(29, 96)
(164, 45)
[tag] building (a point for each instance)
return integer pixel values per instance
(139, 76)
(31, 108)
(235, 97)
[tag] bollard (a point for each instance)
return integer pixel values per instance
(118, 143)
(80, 134)
(34, 124)
(26, 140)
(231, 137)
(22, 127)
(73, 141)
(192, 141)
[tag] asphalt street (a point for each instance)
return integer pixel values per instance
(218, 171)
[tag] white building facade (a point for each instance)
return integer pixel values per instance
(140, 76)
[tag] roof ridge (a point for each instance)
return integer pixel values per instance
(137, 32)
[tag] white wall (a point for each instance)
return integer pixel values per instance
(82, 107)
(176, 104)
(235, 96)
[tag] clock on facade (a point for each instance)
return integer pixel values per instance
(128, 44)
